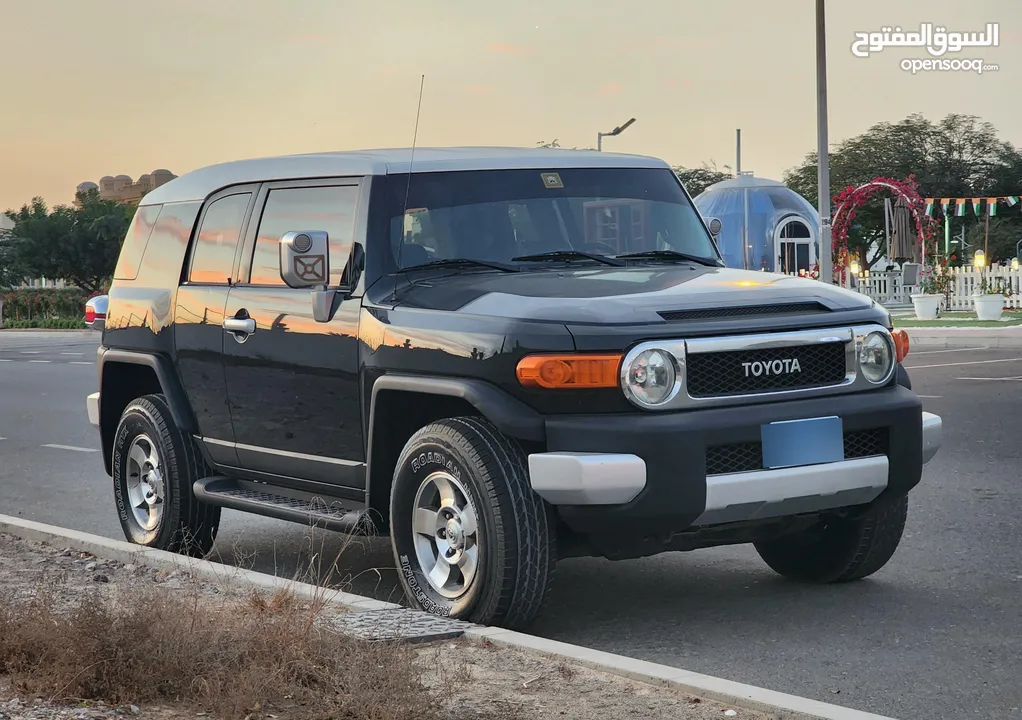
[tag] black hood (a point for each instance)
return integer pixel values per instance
(613, 295)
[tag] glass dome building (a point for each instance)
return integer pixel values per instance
(782, 225)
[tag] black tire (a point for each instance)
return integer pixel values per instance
(839, 550)
(517, 543)
(186, 526)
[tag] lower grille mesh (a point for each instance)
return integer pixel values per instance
(748, 457)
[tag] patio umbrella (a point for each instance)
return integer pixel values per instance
(904, 243)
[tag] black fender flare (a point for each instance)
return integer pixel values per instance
(902, 377)
(510, 415)
(177, 400)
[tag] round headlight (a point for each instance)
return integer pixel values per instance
(876, 358)
(650, 378)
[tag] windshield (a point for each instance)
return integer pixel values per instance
(498, 215)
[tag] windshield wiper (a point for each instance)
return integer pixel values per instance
(463, 262)
(570, 255)
(671, 255)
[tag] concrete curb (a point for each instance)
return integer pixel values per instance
(706, 686)
(128, 553)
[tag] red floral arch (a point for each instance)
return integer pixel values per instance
(852, 198)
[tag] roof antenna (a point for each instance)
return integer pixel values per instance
(408, 186)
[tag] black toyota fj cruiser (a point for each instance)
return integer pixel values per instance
(502, 358)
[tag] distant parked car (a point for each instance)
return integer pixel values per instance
(95, 312)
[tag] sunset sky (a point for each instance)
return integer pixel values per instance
(120, 86)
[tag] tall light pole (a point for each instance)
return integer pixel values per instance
(616, 131)
(823, 148)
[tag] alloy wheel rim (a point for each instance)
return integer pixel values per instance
(145, 483)
(446, 536)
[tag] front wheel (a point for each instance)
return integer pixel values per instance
(839, 549)
(471, 540)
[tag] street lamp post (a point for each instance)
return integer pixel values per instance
(616, 131)
(822, 148)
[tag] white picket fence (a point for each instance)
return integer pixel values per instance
(886, 287)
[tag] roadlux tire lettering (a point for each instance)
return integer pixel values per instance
(422, 598)
(435, 458)
(119, 441)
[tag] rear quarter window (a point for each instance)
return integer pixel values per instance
(135, 242)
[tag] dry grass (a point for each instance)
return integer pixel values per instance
(230, 657)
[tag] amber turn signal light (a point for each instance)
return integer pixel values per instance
(568, 371)
(900, 344)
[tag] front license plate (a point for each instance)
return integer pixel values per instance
(803, 442)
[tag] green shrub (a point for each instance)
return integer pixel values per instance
(55, 323)
(43, 303)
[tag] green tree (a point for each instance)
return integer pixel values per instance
(78, 244)
(960, 157)
(696, 180)
(1005, 233)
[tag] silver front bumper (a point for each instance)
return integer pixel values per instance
(933, 433)
(92, 406)
(567, 478)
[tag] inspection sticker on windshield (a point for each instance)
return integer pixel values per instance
(552, 180)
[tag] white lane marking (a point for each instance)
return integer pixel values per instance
(972, 362)
(933, 352)
(930, 396)
(30, 352)
(3, 438)
(75, 354)
(5, 360)
(79, 362)
(1016, 378)
(40, 361)
(70, 447)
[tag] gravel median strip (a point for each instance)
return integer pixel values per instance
(87, 637)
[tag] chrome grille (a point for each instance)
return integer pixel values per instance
(724, 373)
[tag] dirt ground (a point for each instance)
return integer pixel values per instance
(471, 680)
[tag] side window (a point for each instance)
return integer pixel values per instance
(309, 208)
(135, 241)
(217, 240)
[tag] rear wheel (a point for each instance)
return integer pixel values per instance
(471, 540)
(154, 467)
(839, 549)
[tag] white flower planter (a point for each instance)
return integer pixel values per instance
(988, 307)
(926, 306)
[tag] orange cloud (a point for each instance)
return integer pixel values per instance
(610, 89)
(505, 49)
(479, 89)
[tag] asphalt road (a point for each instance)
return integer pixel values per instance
(935, 634)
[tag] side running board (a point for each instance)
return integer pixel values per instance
(270, 501)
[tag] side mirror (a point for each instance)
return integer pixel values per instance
(305, 259)
(714, 226)
(305, 263)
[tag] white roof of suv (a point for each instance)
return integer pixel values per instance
(199, 184)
